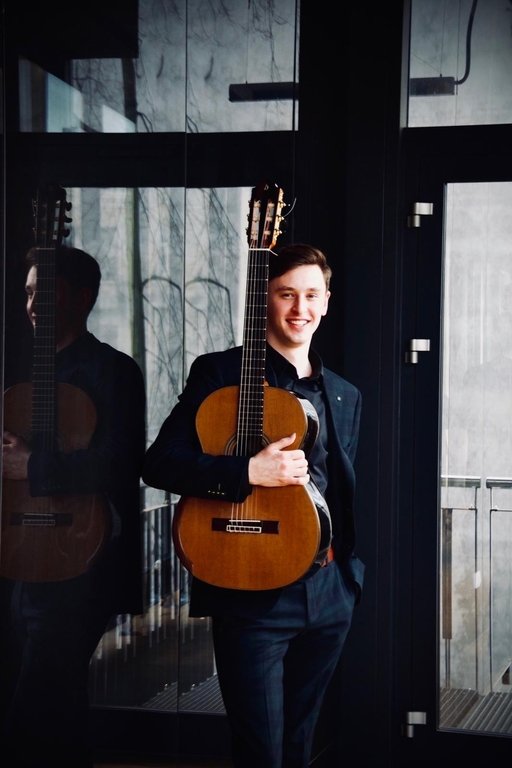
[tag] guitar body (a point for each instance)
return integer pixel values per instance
(276, 534)
(51, 538)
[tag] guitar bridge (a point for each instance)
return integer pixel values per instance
(41, 520)
(232, 525)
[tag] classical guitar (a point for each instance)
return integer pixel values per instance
(276, 534)
(49, 538)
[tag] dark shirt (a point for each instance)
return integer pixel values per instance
(310, 388)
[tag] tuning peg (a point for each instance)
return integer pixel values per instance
(65, 232)
(68, 219)
(68, 206)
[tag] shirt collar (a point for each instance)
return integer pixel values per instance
(283, 366)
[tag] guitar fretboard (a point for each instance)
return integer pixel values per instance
(250, 411)
(43, 367)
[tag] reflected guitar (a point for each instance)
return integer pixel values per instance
(49, 538)
(274, 536)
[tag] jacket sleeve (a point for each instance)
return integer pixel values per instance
(175, 461)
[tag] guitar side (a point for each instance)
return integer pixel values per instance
(274, 536)
(51, 538)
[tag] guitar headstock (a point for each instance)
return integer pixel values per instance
(264, 216)
(50, 219)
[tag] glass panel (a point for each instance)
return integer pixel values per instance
(476, 462)
(201, 67)
(162, 271)
(460, 62)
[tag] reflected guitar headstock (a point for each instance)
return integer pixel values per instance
(50, 219)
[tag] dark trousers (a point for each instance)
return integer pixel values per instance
(59, 625)
(274, 670)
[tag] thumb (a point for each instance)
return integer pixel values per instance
(285, 441)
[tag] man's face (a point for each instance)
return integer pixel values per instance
(67, 302)
(30, 288)
(297, 301)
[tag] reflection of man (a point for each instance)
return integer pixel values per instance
(276, 650)
(60, 623)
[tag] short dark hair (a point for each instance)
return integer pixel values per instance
(79, 268)
(297, 255)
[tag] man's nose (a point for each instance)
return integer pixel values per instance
(299, 304)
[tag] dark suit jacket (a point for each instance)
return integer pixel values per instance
(176, 463)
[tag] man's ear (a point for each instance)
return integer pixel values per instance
(326, 303)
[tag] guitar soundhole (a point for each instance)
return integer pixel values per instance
(234, 525)
(38, 440)
(260, 443)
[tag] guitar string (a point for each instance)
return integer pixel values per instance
(249, 431)
(246, 432)
(246, 354)
(43, 406)
(249, 435)
(245, 376)
(252, 401)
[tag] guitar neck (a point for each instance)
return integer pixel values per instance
(252, 382)
(43, 368)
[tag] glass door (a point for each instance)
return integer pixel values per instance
(457, 398)
(475, 513)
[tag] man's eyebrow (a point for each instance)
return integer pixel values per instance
(292, 288)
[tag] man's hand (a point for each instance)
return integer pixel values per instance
(274, 466)
(16, 453)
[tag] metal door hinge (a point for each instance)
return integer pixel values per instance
(415, 346)
(412, 719)
(419, 210)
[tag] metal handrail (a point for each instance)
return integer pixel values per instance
(491, 483)
(456, 481)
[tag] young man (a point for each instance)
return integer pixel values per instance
(276, 649)
(60, 622)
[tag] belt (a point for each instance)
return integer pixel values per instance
(330, 557)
